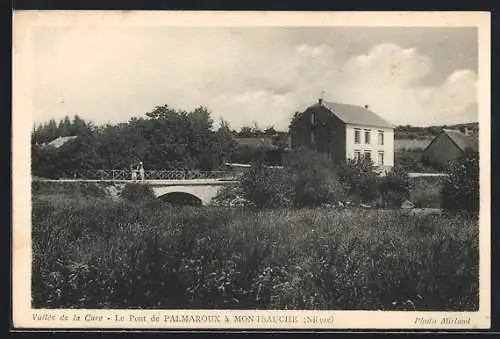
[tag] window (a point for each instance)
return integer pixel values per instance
(357, 136)
(380, 137)
(313, 140)
(381, 158)
(368, 155)
(313, 118)
(357, 155)
(367, 136)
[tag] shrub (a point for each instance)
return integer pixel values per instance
(460, 190)
(314, 177)
(226, 194)
(412, 160)
(231, 196)
(267, 187)
(425, 192)
(359, 179)
(394, 188)
(137, 193)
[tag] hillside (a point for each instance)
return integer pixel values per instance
(422, 133)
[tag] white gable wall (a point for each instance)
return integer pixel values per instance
(373, 147)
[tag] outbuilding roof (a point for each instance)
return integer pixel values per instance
(352, 114)
(463, 141)
(58, 142)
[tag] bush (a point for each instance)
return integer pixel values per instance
(137, 193)
(426, 192)
(394, 188)
(315, 179)
(412, 160)
(231, 196)
(460, 190)
(359, 179)
(267, 187)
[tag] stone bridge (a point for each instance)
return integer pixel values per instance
(196, 191)
(190, 191)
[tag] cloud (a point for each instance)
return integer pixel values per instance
(388, 78)
(242, 76)
(388, 63)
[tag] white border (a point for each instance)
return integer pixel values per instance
(24, 22)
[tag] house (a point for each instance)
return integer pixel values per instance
(344, 132)
(449, 145)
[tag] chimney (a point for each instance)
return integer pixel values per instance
(320, 101)
(366, 106)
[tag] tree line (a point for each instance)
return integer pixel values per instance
(165, 138)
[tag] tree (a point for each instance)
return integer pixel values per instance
(167, 132)
(79, 127)
(295, 117)
(460, 191)
(200, 138)
(121, 146)
(315, 179)
(164, 139)
(394, 188)
(65, 127)
(224, 144)
(49, 131)
(245, 131)
(44, 161)
(267, 187)
(79, 154)
(359, 179)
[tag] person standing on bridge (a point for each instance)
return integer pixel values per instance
(134, 173)
(141, 171)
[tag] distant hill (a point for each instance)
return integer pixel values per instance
(423, 133)
(406, 137)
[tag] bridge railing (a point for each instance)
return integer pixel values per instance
(151, 175)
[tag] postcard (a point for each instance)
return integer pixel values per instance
(251, 170)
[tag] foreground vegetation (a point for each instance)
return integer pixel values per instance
(91, 252)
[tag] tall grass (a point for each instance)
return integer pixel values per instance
(96, 253)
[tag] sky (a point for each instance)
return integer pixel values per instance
(247, 75)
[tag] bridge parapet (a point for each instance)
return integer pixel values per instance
(117, 174)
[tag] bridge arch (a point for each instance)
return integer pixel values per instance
(205, 192)
(181, 198)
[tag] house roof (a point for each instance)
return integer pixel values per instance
(58, 142)
(462, 140)
(265, 142)
(352, 114)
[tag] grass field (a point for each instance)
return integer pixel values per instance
(91, 252)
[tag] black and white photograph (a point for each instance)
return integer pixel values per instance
(251, 170)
